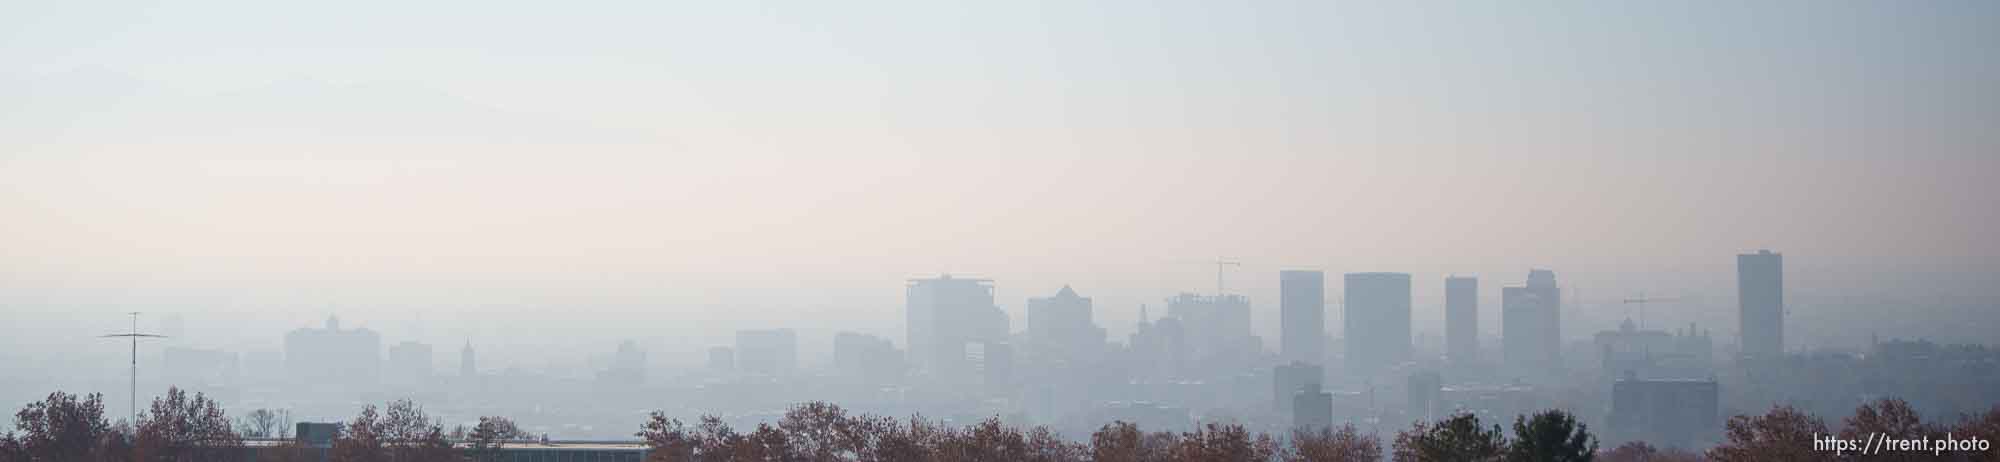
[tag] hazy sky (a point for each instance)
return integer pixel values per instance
(796, 160)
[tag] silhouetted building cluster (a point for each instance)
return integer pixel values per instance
(1287, 379)
(1217, 328)
(1425, 396)
(945, 316)
(866, 359)
(1669, 413)
(993, 364)
(627, 368)
(1060, 327)
(721, 359)
(1654, 353)
(409, 364)
(334, 356)
(1159, 348)
(770, 352)
(1312, 407)
(1200, 361)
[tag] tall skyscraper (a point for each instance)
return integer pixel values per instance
(627, 368)
(1159, 347)
(1760, 299)
(1060, 326)
(1377, 321)
(1302, 316)
(334, 355)
(1530, 323)
(468, 365)
(409, 363)
(944, 315)
(1461, 319)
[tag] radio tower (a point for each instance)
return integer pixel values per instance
(135, 336)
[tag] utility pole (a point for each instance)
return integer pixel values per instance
(135, 336)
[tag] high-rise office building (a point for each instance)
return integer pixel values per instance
(721, 359)
(409, 363)
(943, 316)
(334, 355)
(1060, 327)
(468, 364)
(1377, 321)
(1461, 319)
(1312, 408)
(1302, 316)
(1286, 379)
(1760, 299)
(1218, 327)
(1671, 413)
(1159, 347)
(1530, 323)
(866, 359)
(627, 368)
(767, 351)
(1653, 353)
(993, 363)
(1424, 396)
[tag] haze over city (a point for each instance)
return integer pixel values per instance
(546, 183)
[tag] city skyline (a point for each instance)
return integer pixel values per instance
(1643, 218)
(1655, 375)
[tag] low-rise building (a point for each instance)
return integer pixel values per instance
(1312, 408)
(1287, 379)
(1669, 413)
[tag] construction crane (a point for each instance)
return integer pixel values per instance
(135, 336)
(1219, 264)
(1642, 301)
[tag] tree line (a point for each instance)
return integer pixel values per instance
(824, 432)
(177, 427)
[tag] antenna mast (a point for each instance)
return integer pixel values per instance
(135, 336)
